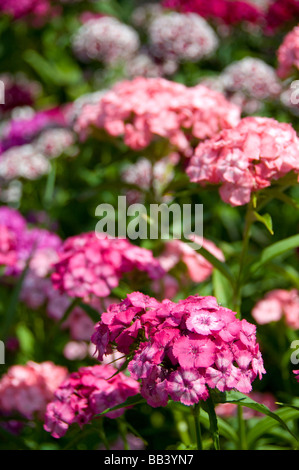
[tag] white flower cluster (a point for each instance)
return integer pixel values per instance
(182, 37)
(106, 40)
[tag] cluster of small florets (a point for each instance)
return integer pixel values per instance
(85, 394)
(288, 54)
(279, 304)
(105, 39)
(145, 109)
(246, 158)
(37, 246)
(225, 11)
(181, 37)
(145, 175)
(27, 389)
(178, 350)
(253, 77)
(20, 131)
(29, 144)
(23, 162)
(248, 83)
(92, 264)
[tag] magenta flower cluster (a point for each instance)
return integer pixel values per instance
(92, 265)
(179, 350)
(224, 10)
(86, 393)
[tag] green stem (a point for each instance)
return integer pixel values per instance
(242, 429)
(103, 435)
(182, 427)
(249, 218)
(196, 413)
(213, 422)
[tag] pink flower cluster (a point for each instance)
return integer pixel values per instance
(92, 264)
(198, 268)
(278, 304)
(19, 244)
(225, 11)
(288, 54)
(181, 37)
(105, 39)
(246, 158)
(27, 389)
(7, 247)
(144, 109)
(178, 350)
(86, 393)
(40, 245)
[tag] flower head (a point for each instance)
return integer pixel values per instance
(246, 158)
(180, 349)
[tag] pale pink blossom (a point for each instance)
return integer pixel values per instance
(288, 54)
(27, 389)
(143, 110)
(247, 158)
(198, 268)
(276, 305)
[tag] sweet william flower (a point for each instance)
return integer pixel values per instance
(144, 110)
(170, 358)
(247, 158)
(288, 54)
(91, 265)
(276, 305)
(86, 393)
(27, 389)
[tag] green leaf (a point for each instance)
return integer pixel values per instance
(13, 302)
(91, 312)
(222, 289)
(132, 401)
(239, 398)
(275, 250)
(265, 425)
(265, 219)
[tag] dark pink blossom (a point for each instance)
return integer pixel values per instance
(89, 265)
(85, 394)
(169, 356)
